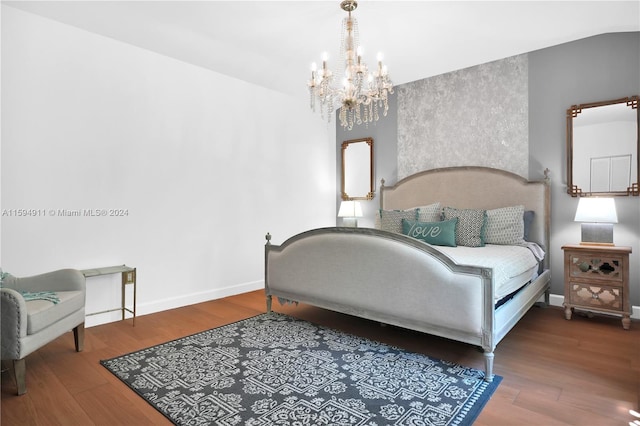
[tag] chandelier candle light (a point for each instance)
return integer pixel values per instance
(361, 94)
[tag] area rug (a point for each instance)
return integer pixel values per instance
(274, 369)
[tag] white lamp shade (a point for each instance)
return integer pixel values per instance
(350, 209)
(597, 210)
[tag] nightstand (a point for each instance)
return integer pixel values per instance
(596, 279)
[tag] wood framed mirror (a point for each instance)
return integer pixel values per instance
(603, 139)
(357, 169)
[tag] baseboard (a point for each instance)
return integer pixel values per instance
(176, 302)
(558, 300)
(191, 299)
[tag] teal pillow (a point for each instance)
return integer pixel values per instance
(441, 233)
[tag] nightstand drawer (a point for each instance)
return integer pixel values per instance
(596, 268)
(597, 296)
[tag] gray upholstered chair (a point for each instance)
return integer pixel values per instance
(30, 321)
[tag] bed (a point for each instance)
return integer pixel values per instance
(388, 274)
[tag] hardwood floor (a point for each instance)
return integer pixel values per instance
(556, 372)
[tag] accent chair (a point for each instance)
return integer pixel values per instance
(37, 310)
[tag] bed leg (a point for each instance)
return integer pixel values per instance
(488, 366)
(545, 303)
(269, 298)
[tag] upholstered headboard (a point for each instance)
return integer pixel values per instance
(473, 188)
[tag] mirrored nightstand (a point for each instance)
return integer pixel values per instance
(596, 279)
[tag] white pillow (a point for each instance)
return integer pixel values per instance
(505, 226)
(430, 213)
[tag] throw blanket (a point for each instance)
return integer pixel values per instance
(28, 295)
(41, 295)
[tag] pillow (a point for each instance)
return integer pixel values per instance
(7, 280)
(430, 213)
(4, 276)
(391, 220)
(470, 229)
(505, 226)
(440, 233)
(528, 222)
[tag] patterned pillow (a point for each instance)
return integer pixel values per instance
(440, 233)
(391, 220)
(470, 229)
(430, 213)
(505, 226)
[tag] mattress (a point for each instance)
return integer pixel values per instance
(513, 266)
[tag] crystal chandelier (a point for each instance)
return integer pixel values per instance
(360, 94)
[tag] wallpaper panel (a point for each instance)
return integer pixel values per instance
(477, 116)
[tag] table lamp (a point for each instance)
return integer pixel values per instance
(349, 212)
(597, 216)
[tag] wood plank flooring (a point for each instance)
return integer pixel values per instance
(556, 372)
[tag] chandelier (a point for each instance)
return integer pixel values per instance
(360, 94)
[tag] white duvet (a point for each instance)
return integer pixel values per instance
(513, 266)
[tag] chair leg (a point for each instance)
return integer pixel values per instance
(20, 372)
(78, 337)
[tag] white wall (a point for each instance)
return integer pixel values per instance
(601, 140)
(203, 164)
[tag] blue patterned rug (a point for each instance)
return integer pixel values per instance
(273, 369)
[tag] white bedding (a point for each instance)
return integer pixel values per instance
(513, 266)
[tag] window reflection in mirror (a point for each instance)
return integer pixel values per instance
(357, 169)
(602, 148)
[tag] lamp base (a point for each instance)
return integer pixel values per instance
(350, 222)
(597, 234)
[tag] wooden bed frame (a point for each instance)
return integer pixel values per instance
(395, 279)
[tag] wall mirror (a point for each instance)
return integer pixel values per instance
(357, 169)
(602, 148)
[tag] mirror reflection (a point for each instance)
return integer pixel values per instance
(602, 148)
(357, 169)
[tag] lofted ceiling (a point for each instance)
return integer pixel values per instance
(273, 43)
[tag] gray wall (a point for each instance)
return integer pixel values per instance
(593, 69)
(385, 144)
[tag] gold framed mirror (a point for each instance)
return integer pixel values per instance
(357, 169)
(603, 140)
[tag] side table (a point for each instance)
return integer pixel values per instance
(128, 277)
(596, 278)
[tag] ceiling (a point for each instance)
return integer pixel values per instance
(273, 43)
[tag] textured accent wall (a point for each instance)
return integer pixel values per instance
(477, 116)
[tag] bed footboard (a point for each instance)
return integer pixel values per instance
(386, 277)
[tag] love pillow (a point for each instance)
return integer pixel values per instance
(441, 233)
